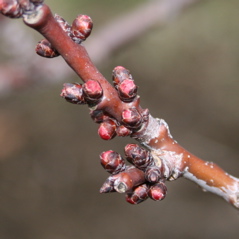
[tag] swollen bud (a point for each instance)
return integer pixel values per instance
(107, 129)
(11, 8)
(131, 117)
(158, 191)
(123, 131)
(81, 28)
(73, 93)
(153, 174)
(138, 156)
(112, 162)
(119, 74)
(138, 195)
(45, 49)
(25, 5)
(92, 91)
(127, 90)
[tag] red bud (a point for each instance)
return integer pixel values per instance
(73, 93)
(138, 156)
(119, 74)
(45, 49)
(11, 8)
(107, 130)
(25, 4)
(158, 191)
(131, 117)
(127, 90)
(153, 174)
(138, 195)
(112, 162)
(92, 90)
(81, 28)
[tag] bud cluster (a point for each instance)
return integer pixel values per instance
(145, 179)
(109, 127)
(142, 159)
(90, 92)
(138, 156)
(78, 32)
(128, 179)
(17, 8)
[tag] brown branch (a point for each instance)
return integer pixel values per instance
(112, 36)
(118, 111)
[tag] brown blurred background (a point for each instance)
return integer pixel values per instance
(187, 73)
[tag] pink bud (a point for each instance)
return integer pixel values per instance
(92, 91)
(81, 28)
(158, 191)
(127, 90)
(131, 117)
(107, 130)
(11, 8)
(153, 174)
(112, 162)
(25, 4)
(119, 74)
(138, 195)
(45, 49)
(73, 93)
(138, 156)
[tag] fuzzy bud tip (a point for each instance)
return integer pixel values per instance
(158, 191)
(107, 130)
(92, 90)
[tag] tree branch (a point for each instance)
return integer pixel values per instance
(118, 112)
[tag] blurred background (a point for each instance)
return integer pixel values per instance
(187, 70)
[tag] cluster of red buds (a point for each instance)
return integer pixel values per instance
(89, 93)
(17, 8)
(128, 179)
(78, 32)
(143, 159)
(142, 180)
(118, 112)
